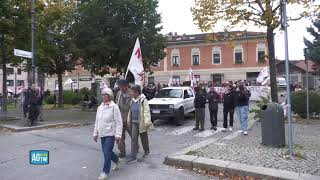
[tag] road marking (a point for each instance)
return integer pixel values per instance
(208, 133)
(181, 131)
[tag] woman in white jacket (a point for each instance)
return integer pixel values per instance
(108, 127)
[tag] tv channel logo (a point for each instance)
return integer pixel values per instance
(39, 157)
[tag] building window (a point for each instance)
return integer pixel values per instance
(216, 56)
(19, 71)
(238, 55)
(195, 57)
(20, 82)
(261, 53)
(150, 80)
(10, 71)
(176, 80)
(197, 78)
(175, 57)
(9, 82)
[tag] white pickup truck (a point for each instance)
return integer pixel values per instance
(173, 103)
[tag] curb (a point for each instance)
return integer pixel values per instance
(14, 128)
(191, 162)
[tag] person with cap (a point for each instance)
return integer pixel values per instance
(213, 99)
(200, 101)
(108, 126)
(139, 123)
(123, 100)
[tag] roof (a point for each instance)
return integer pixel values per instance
(179, 87)
(215, 37)
(300, 64)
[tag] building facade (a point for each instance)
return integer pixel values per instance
(212, 57)
(16, 79)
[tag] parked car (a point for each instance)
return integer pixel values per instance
(172, 103)
(281, 82)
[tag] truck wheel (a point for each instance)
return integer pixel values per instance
(180, 117)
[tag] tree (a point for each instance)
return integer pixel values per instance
(313, 47)
(56, 52)
(265, 13)
(15, 27)
(106, 30)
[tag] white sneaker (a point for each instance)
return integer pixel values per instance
(245, 132)
(103, 176)
(117, 166)
(224, 130)
(230, 128)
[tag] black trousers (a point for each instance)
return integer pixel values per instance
(214, 117)
(225, 117)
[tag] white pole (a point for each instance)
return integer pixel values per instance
(307, 82)
(290, 141)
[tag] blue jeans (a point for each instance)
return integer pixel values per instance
(243, 112)
(107, 144)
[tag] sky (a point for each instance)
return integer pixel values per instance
(177, 17)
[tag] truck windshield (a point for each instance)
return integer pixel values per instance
(169, 93)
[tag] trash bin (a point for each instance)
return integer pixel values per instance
(272, 125)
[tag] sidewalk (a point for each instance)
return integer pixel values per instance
(52, 118)
(245, 155)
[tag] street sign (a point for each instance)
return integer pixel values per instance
(21, 53)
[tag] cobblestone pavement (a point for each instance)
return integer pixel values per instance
(248, 150)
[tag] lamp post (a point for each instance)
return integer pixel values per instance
(32, 40)
(307, 81)
(284, 26)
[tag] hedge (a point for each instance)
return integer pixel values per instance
(69, 97)
(299, 103)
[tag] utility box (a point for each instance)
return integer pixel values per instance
(272, 125)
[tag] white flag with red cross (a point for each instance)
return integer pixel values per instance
(136, 65)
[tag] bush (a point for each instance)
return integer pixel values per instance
(260, 105)
(84, 91)
(49, 100)
(299, 103)
(70, 97)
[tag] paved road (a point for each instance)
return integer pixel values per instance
(74, 155)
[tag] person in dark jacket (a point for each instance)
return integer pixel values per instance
(242, 102)
(200, 101)
(33, 105)
(213, 99)
(228, 108)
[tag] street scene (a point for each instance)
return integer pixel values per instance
(159, 89)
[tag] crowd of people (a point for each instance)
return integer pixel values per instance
(129, 112)
(236, 98)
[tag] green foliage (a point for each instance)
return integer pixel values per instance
(260, 104)
(313, 47)
(84, 91)
(106, 31)
(71, 97)
(49, 100)
(299, 103)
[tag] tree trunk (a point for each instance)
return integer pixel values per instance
(272, 65)
(60, 91)
(4, 75)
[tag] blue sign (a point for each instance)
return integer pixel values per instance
(39, 157)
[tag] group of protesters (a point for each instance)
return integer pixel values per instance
(235, 98)
(128, 112)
